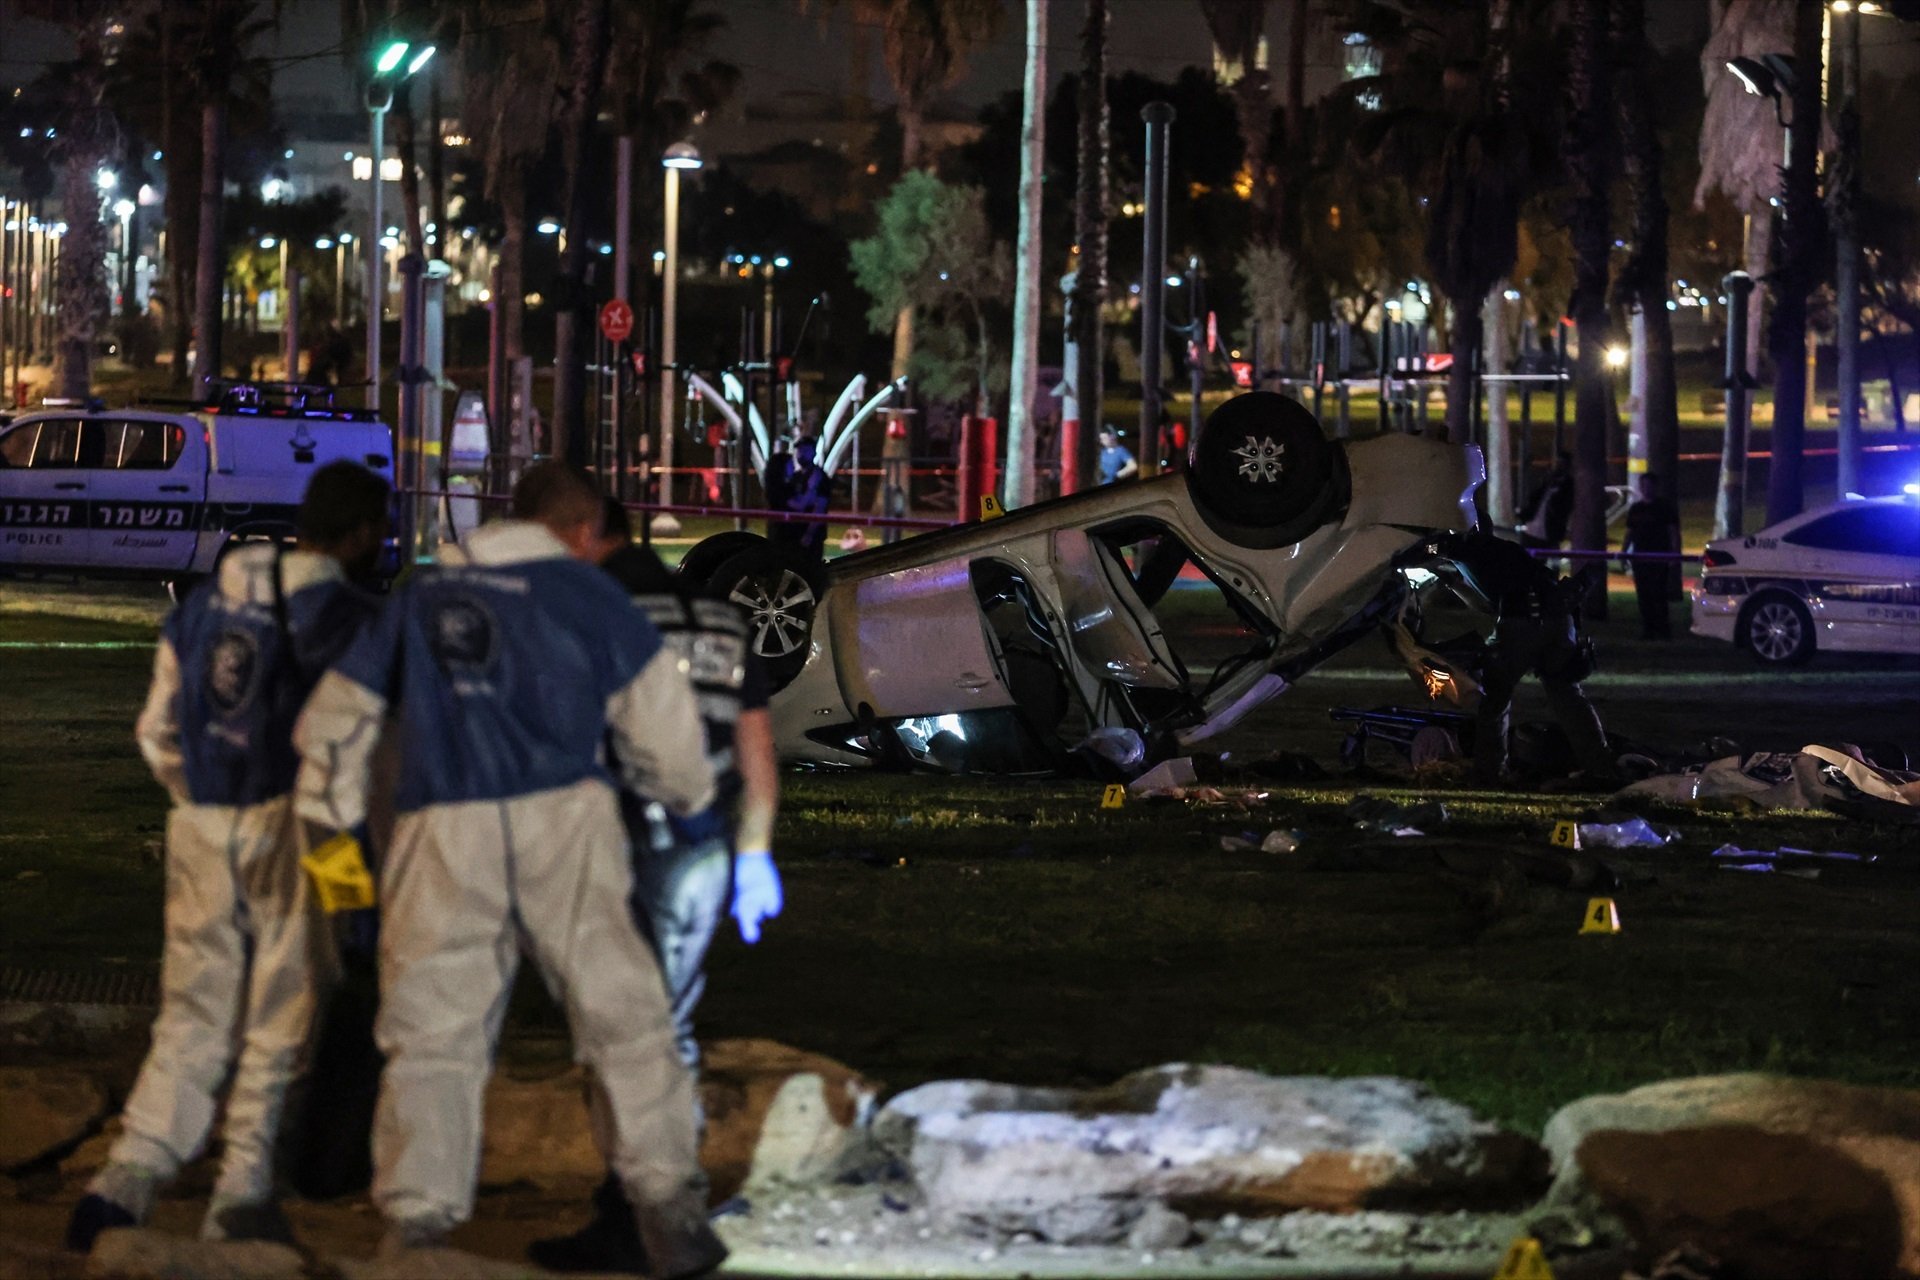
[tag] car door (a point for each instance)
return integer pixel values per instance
(43, 495)
(145, 495)
(1863, 563)
(1112, 631)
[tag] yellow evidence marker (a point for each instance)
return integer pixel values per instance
(339, 874)
(1602, 917)
(990, 508)
(1524, 1261)
(1114, 796)
(1566, 834)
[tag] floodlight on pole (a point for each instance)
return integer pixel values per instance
(390, 57)
(682, 155)
(387, 75)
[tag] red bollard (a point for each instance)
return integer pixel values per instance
(979, 463)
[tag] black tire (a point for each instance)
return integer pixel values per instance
(697, 566)
(1262, 474)
(779, 589)
(1777, 629)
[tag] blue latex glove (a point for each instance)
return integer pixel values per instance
(756, 892)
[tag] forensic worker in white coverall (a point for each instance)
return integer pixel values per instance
(507, 672)
(245, 950)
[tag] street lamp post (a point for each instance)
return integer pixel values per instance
(387, 76)
(679, 156)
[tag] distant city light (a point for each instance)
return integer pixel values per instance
(287, 154)
(267, 242)
(1174, 282)
(1512, 295)
(323, 243)
(547, 227)
(659, 255)
(606, 248)
(124, 208)
(348, 157)
(1617, 357)
(486, 295)
(783, 262)
(273, 189)
(346, 237)
(390, 241)
(107, 179)
(682, 155)
(156, 155)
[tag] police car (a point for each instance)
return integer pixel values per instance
(1843, 578)
(149, 493)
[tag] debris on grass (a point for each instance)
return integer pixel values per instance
(1377, 815)
(1633, 833)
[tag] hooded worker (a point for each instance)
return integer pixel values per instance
(507, 673)
(244, 947)
(688, 870)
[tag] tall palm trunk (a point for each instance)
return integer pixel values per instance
(1799, 269)
(587, 71)
(210, 260)
(1021, 483)
(403, 144)
(1090, 232)
(1590, 169)
(1643, 278)
(513, 256)
(911, 120)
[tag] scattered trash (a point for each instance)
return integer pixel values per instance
(1810, 778)
(1379, 816)
(1167, 776)
(1275, 841)
(854, 540)
(1418, 734)
(1122, 748)
(1635, 833)
(1731, 851)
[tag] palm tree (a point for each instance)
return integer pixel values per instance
(1090, 233)
(1642, 280)
(1238, 28)
(586, 45)
(87, 137)
(1803, 237)
(1590, 165)
(217, 59)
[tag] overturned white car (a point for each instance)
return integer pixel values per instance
(1170, 607)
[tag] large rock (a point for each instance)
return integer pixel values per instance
(774, 1113)
(44, 1110)
(155, 1255)
(1779, 1178)
(1069, 1164)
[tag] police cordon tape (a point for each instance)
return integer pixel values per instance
(756, 513)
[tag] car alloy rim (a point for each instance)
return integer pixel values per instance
(1775, 631)
(1260, 460)
(779, 617)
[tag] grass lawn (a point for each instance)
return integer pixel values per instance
(977, 927)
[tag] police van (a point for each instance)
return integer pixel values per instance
(160, 493)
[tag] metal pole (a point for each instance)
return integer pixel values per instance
(1560, 391)
(1638, 457)
(1499, 441)
(1729, 508)
(622, 215)
(412, 348)
(499, 436)
(376, 260)
(1196, 345)
(290, 321)
(1159, 118)
(669, 300)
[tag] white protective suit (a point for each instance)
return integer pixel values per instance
(505, 673)
(244, 952)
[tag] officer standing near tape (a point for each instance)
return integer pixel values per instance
(508, 673)
(239, 977)
(688, 870)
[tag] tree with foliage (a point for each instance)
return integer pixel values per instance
(931, 254)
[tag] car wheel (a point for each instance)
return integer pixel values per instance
(779, 589)
(1778, 629)
(1262, 474)
(698, 565)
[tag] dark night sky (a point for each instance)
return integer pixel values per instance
(780, 49)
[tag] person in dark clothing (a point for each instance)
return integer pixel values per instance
(1549, 511)
(797, 483)
(1653, 525)
(687, 870)
(1536, 632)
